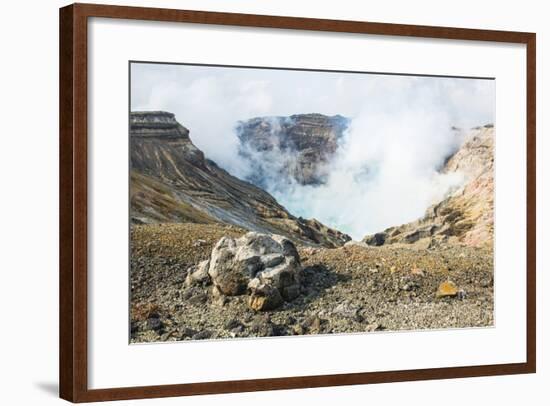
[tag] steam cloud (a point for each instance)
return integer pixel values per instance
(386, 169)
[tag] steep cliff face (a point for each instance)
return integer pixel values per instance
(466, 215)
(172, 181)
(290, 149)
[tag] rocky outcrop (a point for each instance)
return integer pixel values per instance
(290, 149)
(465, 216)
(172, 181)
(267, 267)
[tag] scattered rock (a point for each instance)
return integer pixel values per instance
(289, 320)
(188, 294)
(312, 325)
(198, 275)
(264, 297)
(231, 324)
(346, 309)
(198, 298)
(199, 243)
(154, 323)
(447, 289)
(237, 330)
(188, 332)
(202, 335)
(409, 286)
(262, 326)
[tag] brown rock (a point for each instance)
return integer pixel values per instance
(447, 289)
(265, 297)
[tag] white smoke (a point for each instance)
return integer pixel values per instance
(381, 176)
(385, 171)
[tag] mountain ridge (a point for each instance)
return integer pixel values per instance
(465, 216)
(290, 149)
(173, 181)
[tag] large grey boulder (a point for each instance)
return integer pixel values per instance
(266, 266)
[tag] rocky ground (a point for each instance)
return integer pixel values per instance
(355, 288)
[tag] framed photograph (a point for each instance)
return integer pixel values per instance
(254, 202)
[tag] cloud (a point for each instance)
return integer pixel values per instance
(386, 170)
(384, 174)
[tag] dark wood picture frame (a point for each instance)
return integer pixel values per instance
(73, 362)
